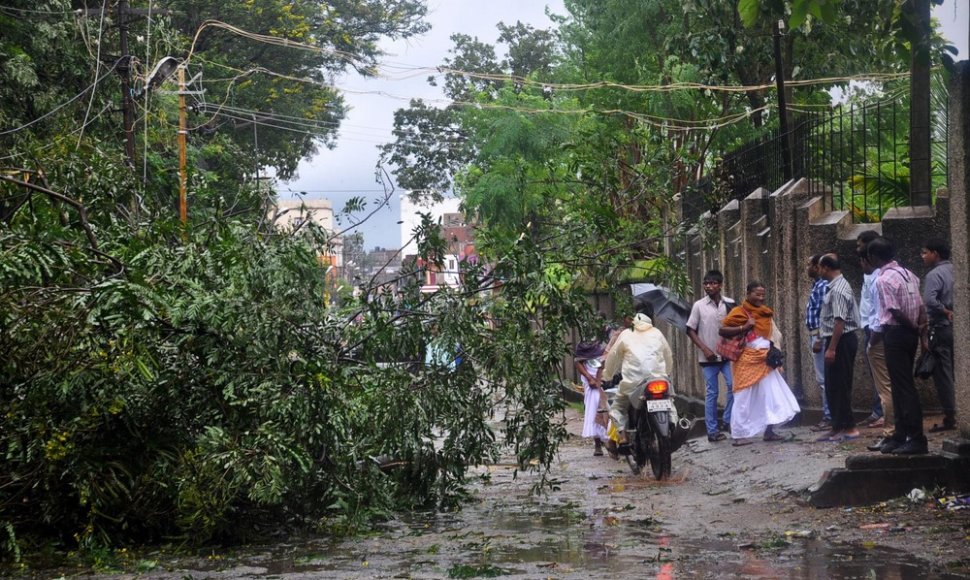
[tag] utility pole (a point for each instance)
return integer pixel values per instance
(919, 111)
(122, 12)
(183, 132)
(124, 69)
(782, 106)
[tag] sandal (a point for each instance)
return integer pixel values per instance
(612, 450)
(944, 427)
(741, 442)
(773, 437)
(822, 426)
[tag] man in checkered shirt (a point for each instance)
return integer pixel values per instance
(813, 312)
(901, 314)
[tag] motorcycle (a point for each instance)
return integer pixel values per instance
(654, 430)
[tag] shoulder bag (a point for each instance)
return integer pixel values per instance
(730, 347)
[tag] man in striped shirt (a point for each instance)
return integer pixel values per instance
(900, 315)
(839, 323)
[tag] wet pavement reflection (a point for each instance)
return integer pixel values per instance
(545, 542)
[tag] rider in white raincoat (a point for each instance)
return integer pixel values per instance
(638, 354)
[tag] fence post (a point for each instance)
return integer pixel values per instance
(919, 112)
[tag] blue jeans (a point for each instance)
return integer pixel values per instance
(710, 402)
(818, 358)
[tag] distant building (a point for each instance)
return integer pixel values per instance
(410, 220)
(293, 214)
(457, 232)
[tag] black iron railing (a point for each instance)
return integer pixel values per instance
(859, 157)
(855, 156)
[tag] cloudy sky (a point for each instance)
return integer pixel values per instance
(348, 170)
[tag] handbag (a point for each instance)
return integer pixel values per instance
(730, 347)
(775, 358)
(925, 365)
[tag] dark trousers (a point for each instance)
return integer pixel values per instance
(900, 343)
(838, 381)
(941, 343)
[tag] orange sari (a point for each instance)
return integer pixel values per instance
(750, 366)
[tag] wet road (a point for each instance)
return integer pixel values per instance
(726, 513)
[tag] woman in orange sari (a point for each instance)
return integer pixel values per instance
(762, 398)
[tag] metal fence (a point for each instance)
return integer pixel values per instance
(856, 157)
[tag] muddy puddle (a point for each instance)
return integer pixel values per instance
(552, 545)
(518, 536)
(725, 513)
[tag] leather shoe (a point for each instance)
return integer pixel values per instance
(716, 437)
(877, 444)
(912, 447)
(890, 445)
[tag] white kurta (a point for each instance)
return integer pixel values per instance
(591, 401)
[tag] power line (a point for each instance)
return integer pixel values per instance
(299, 191)
(96, 70)
(62, 105)
(63, 137)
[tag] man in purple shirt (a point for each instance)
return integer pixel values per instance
(901, 314)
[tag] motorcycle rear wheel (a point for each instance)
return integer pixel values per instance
(659, 454)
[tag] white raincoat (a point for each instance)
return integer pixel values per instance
(638, 354)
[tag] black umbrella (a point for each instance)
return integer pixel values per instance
(667, 306)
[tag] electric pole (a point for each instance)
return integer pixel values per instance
(122, 12)
(786, 160)
(183, 132)
(124, 69)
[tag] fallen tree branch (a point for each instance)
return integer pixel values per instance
(81, 210)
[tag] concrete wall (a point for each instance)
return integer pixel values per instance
(769, 237)
(959, 177)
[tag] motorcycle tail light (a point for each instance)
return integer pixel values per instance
(657, 389)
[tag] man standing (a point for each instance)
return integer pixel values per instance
(866, 309)
(876, 353)
(938, 297)
(702, 329)
(812, 315)
(839, 321)
(900, 315)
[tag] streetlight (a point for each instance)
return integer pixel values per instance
(782, 108)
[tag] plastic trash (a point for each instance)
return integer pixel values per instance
(917, 495)
(954, 502)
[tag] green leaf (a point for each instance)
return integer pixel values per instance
(750, 10)
(799, 13)
(144, 370)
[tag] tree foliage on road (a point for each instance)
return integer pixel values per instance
(195, 383)
(166, 383)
